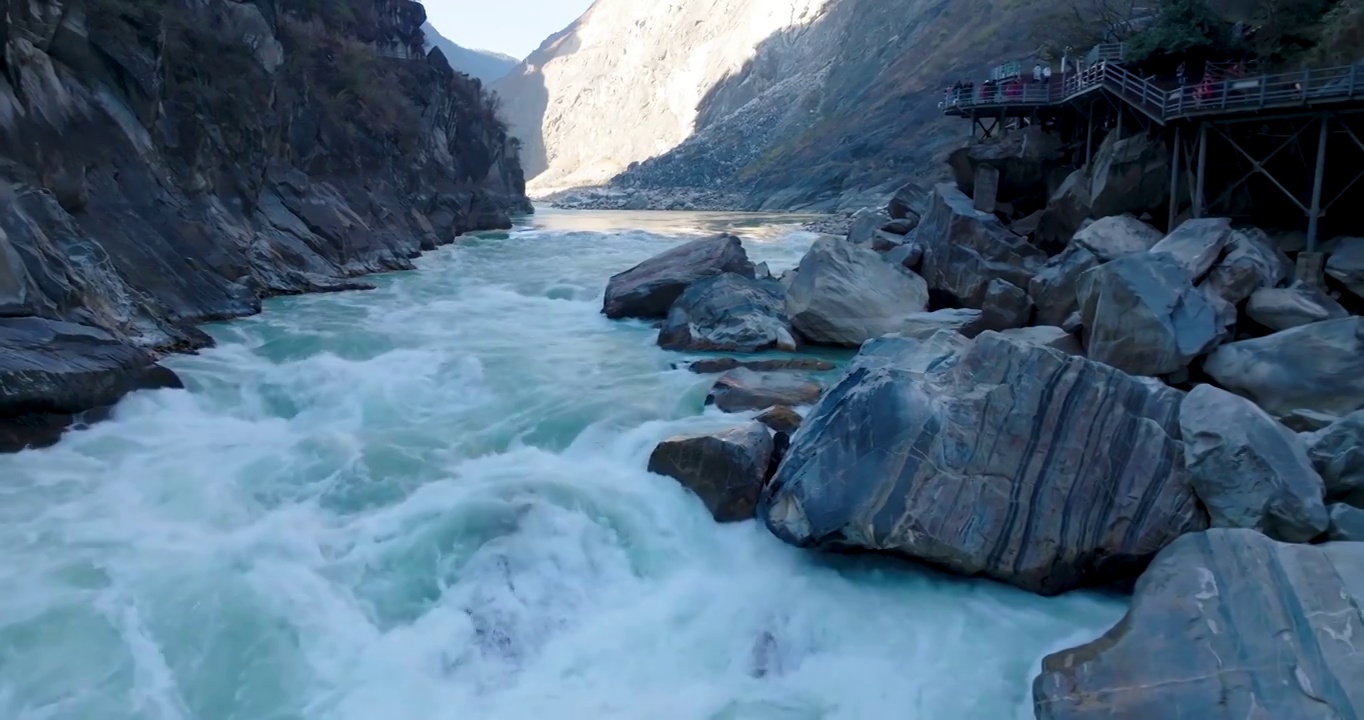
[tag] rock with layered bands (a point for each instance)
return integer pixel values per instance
(743, 389)
(649, 289)
(725, 469)
(1142, 315)
(1053, 289)
(721, 365)
(1293, 306)
(1224, 625)
(965, 250)
(922, 326)
(1046, 336)
(994, 458)
(730, 313)
(1251, 263)
(845, 294)
(1337, 452)
(1315, 367)
(1250, 471)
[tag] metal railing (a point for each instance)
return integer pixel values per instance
(1234, 94)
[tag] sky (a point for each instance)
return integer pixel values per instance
(514, 27)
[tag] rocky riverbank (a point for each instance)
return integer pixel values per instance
(169, 163)
(1053, 393)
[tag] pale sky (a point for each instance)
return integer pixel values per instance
(514, 27)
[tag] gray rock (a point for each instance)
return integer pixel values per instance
(1053, 289)
(726, 470)
(1293, 306)
(1006, 306)
(908, 255)
(884, 242)
(1131, 175)
(935, 353)
(1045, 336)
(1024, 159)
(901, 226)
(1337, 452)
(1118, 236)
(720, 365)
(865, 223)
(922, 326)
(1142, 315)
(1252, 262)
(743, 389)
(1224, 625)
(1307, 421)
(1250, 471)
(908, 202)
(845, 294)
(965, 250)
(1004, 459)
(648, 290)
(730, 313)
(780, 419)
(1066, 211)
(1197, 244)
(762, 272)
(1026, 225)
(1346, 263)
(1315, 367)
(1347, 524)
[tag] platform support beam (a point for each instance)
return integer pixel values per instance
(1314, 213)
(1174, 181)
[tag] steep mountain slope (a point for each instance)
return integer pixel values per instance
(169, 162)
(790, 103)
(485, 65)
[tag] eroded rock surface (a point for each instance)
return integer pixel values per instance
(725, 469)
(649, 289)
(743, 389)
(730, 313)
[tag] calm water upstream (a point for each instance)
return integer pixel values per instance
(429, 502)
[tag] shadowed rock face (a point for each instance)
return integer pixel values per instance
(1337, 452)
(649, 289)
(965, 249)
(1225, 625)
(1293, 306)
(1007, 460)
(1314, 367)
(731, 313)
(726, 470)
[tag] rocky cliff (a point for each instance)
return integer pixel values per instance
(790, 104)
(169, 162)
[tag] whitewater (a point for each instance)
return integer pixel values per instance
(429, 501)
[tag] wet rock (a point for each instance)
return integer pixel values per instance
(726, 470)
(965, 250)
(1002, 459)
(1197, 244)
(865, 223)
(922, 326)
(1046, 336)
(781, 419)
(908, 255)
(1293, 306)
(1347, 524)
(1118, 236)
(1066, 212)
(743, 389)
(1314, 367)
(1337, 452)
(1346, 263)
(908, 202)
(1142, 315)
(1252, 262)
(1006, 306)
(902, 226)
(1129, 175)
(1250, 471)
(720, 365)
(845, 294)
(649, 289)
(731, 313)
(1053, 288)
(1224, 625)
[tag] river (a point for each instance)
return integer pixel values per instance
(429, 501)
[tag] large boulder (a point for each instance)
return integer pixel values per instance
(1066, 212)
(865, 223)
(725, 469)
(1347, 524)
(965, 250)
(780, 419)
(1142, 315)
(731, 313)
(1294, 306)
(993, 458)
(1046, 336)
(649, 289)
(1024, 159)
(1250, 471)
(1118, 236)
(1252, 262)
(1053, 288)
(845, 294)
(1337, 452)
(743, 389)
(922, 326)
(1346, 263)
(1006, 306)
(1224, 625)
(1129, 175)
(908, 255)
(1314, 367)
(1197, 244)
(907, 203)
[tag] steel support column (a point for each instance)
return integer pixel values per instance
(1314, 214)
(1202, 174)
(1174, 181)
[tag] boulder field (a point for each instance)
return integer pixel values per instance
(1078, 400)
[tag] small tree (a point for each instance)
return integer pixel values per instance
(1182, 29)
(1082, 24)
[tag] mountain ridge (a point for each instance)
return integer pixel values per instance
(486, 65)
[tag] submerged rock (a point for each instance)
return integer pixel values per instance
(742, 389)
(726, 470)
(845, 294)
(1002, 459)
(1224, 625)
(1314, 367)
(649, 289)
(720, 365)
(731, 313)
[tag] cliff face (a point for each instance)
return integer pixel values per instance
(169, 162)
(789, 104)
